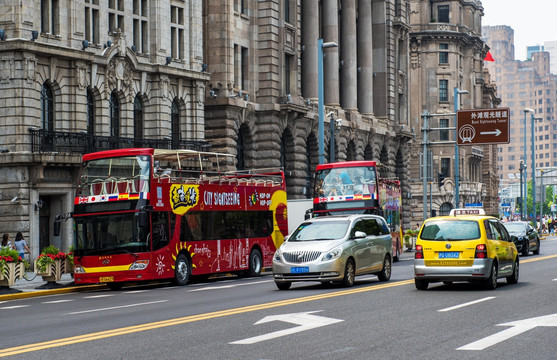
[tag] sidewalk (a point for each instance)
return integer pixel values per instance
(36, 286)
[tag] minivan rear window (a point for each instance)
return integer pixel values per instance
(443, 230)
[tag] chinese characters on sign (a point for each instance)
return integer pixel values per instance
(483, 126)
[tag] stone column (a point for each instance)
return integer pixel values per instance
(330, 62)
(348, 49)
(365, 58)
(310, 34)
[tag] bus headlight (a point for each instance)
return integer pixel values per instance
(78, 269)
(139, 265)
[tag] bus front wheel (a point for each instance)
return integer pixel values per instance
(255, 263)
(182, 271)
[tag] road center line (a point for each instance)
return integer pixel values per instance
(466, 304)
(115, 307)
(192, 318)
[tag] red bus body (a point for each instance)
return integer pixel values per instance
(133, 220)
(354, 187)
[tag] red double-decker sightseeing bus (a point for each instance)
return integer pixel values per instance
(149, 214)
(355, 187)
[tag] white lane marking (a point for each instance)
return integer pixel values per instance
(115, 307)
(56, 301)
(305, 321)
(229, 286)
(13, 307)
(135, 291)
(466, 304)
(97, 296)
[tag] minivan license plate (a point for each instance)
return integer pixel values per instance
(448, 255)
(299, 270)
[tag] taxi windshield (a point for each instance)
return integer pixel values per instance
(443, 230)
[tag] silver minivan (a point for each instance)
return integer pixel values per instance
(334, 248)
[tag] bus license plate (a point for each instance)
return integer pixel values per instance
(299, 270)
(448, 255)
(106, 279)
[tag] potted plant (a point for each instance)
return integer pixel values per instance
(51, 264)
(12, 267)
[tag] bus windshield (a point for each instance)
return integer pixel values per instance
(128, 174)
(110, 234)
(341, 181)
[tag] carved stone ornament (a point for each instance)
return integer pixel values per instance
(120, 75)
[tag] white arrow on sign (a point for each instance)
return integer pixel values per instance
(304, 320)
(518, 327)
(497, 132)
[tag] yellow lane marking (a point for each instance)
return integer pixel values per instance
(187, 319)
(539, 258)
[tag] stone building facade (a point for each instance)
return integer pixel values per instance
(81, 76)
(447, 52)
(263, 91)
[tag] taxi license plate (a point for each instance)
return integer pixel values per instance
(106, 279)
(299, 270)
(448, 255)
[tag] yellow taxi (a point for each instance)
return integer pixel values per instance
(468, 246)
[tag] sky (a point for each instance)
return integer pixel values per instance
(533, 21)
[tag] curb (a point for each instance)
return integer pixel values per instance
(37, 293)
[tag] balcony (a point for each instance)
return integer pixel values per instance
(46, 141)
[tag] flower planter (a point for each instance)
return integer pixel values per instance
(68, 266)
(53, 271)
(11, 272)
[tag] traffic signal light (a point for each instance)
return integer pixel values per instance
(440, 178)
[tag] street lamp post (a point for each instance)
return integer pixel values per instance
(526, 111)
(321, 129)
(522, 169)
(457, 92)
(533, 170)
(541, 195)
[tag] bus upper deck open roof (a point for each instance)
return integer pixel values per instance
(177, 156)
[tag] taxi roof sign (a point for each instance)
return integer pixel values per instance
(456, 212)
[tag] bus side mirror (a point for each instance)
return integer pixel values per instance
(57, 225)
(143, 219)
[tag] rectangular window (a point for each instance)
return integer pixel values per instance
(443, 90)
(290, 11)
(444, 134)
(177, 30)
(140, 26)
(49, 17)
(116, 15)
(443, 13)
(446, 167)
(245, 62)
(92, 21)
(443, 53)
(289, 74)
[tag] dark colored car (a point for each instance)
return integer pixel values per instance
(528, 239)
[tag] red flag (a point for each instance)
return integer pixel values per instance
(488, 57)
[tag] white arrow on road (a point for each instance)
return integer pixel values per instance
(518, 327)
(304, 320)
(497, 132)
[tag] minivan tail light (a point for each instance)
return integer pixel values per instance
(481, 251)
(419, 254)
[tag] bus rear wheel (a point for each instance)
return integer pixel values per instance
(182, 270)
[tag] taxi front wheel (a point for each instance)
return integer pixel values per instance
(421, 284)
(513, 279)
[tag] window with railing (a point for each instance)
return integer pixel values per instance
(47, 107)
(443, 13)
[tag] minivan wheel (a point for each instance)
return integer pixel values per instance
(349, 274)
(283, 285)
(537, 251)
(385, 273)
(421, 284)
(491, 282)
(513, 279)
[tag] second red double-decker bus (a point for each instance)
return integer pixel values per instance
(355, 187)
(148, 214)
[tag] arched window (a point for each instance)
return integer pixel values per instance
(445, 209)
(114, 107)
(138, 118)
(240, 151)
(47, 107)
(175, 125)
(90, 113)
